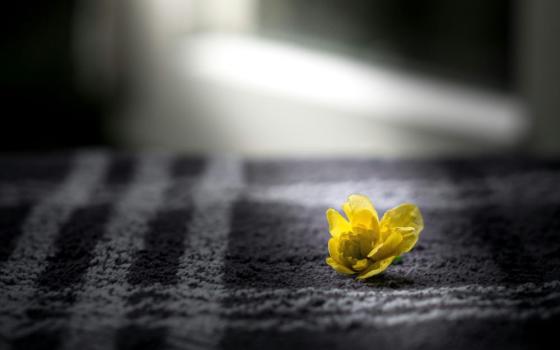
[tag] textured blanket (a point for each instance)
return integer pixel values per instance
(125, 251)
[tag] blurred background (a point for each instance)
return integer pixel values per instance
(283, 78)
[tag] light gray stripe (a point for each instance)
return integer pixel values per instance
(199, 318)
(436, 193)
(502, 290)
(199, 293)
(336, 303)
(18, 274)
(196, 305)
(100, 304)
(367, 320)
(17, 194)
(371, 309)
(346, 307)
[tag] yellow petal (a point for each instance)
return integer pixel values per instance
(338, 267)
(361, 264)
(376, 268)
(387, 248)
(337, 224)
(334, 250)
(404, 215)
(347, 210)
(361, 212)
(410, 237)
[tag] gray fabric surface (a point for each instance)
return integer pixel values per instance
(129, 251)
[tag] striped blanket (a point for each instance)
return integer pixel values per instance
(147, 251)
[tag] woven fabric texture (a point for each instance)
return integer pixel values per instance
(161, 251)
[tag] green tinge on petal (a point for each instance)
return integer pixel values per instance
(349, 248)
(375, 268)
(366, 239)
(339, 267)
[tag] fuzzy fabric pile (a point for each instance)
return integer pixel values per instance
(160, 251)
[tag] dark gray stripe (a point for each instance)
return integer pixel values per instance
(24, 174)
(49, 168)
(275, 245)
(121, 171)
(21, 271)
(74, 249)
(188, 167)
(38, 340)
(78, 237)
(11, 227)
(500, 227)
(138, 338)
(101, 304)
(73, 252)
(163, 246)
(157, 264)
(486, 334)
(158, 261)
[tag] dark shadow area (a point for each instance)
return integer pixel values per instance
(437, 335)
(391, 281)
(44, 107)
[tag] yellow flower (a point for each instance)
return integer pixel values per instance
(364, 245)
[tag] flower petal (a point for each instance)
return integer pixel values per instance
(376, 268)
(404, 215)
(347, 210)
(337, 223)
(334, 250)
(366, 239)
(410, 237)
(338, 267)
(361, 212)
(361, 264)
(349, 249)
(387, 248)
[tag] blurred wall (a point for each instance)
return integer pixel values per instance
(468, 40)
(261, 78)
(128, 74)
